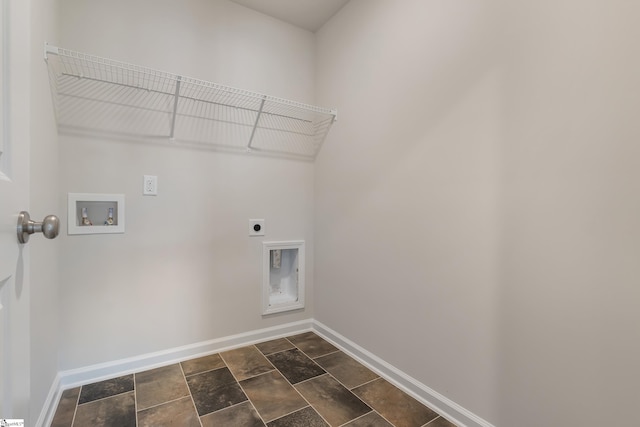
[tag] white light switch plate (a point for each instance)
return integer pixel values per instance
(150, 185)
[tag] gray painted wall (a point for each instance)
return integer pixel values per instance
(477, 202)
(185, 271)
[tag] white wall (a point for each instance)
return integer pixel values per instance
(43, 201)
(476, 202)
(217, 41)
(185, 271)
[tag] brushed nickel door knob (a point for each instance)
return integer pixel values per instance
(50, 226)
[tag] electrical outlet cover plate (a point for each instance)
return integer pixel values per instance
(256, 227)
(150, 185)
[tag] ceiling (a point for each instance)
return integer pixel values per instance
(307, 14)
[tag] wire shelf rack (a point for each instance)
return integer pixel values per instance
(103, 96)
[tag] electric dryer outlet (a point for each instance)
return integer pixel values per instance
(256, 227)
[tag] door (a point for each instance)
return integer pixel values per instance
(14, 197)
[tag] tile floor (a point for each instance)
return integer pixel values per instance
(300, 380)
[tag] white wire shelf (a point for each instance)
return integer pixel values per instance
(103, 96)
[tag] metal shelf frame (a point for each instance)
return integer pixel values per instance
(103, 96)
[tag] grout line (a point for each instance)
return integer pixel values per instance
(107, 397)
(331, 352)
(320, 355)
(163, 403)
(343, 384)
(314, 362)
(372, 411)
(309, 379)
(361, 416)
(368, 382)
(75, 410)
(262, 373)
(293, 347)
(346, 388)
(340, 382)
(294, 411)
(312, 358)
(135, 399)
(305, 399)
(257, 375)
(357, 397)
(297, 391)
(330, 375)
(275, 352)
(204, 372)
(193, 402)
(375, 412)
(326, 373)
(208, 370)
(227, 408)
(253, 406)
(243, 390)
(440, 416)
(370, 406)
(385, 418)
(264, 357)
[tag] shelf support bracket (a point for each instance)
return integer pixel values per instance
(175, 107)
(49, 49)
(255, 125)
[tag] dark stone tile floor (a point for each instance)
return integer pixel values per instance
(295, 365)
(301, 380)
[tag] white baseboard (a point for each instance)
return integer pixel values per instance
(99, 372)
(50, 403)
(429, 397)
(94, 373)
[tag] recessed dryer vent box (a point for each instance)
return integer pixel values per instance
(90, 213)
(283, 276)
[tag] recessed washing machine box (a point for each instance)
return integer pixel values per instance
(282, 276)
(91, 213)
